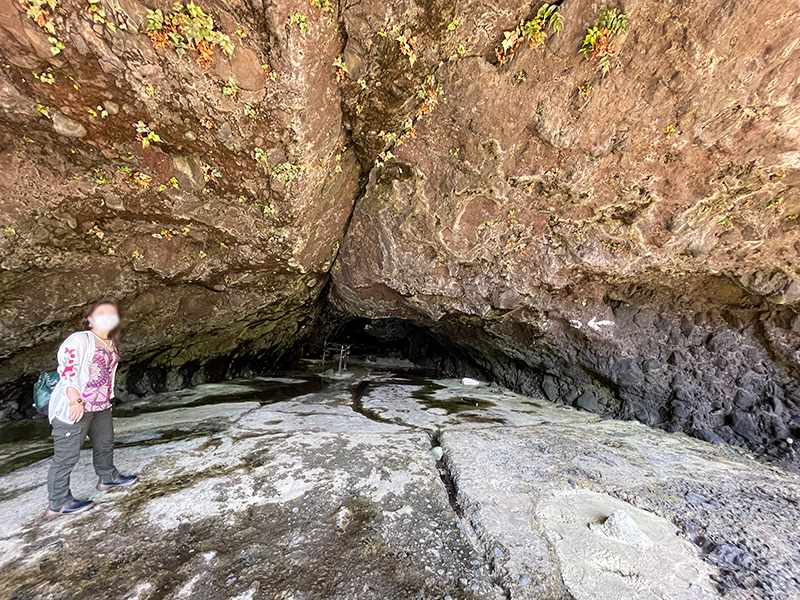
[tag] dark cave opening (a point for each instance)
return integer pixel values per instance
(673, 397)
(399, 338)
(652, 386)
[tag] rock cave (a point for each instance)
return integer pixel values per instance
(560, 242)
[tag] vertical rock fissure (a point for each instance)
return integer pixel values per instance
(450, 482)
(482, 546)
(445, 474)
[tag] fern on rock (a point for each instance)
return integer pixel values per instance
(598, 42)
(536, 30)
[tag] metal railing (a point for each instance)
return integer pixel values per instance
(343, 350)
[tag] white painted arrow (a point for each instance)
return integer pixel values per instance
(597, 325)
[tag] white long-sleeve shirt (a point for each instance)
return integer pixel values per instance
(74, 357)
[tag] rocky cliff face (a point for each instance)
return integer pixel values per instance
(208, 195)
(625, 242)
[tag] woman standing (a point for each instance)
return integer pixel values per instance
(81, 405)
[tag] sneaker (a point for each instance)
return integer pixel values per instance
(118, 481)
(71, 508)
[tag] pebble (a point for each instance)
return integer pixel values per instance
(437, 452)
(524, 580)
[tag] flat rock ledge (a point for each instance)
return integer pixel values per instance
(384, 487)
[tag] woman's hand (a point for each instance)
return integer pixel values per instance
(75, 405)
(76, 412)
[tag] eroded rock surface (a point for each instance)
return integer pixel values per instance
(338, 493)
(209, 201)
(627, 243)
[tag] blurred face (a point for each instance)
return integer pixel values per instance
(104, 317)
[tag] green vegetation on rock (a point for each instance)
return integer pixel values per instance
(598, 42)
(187, 28)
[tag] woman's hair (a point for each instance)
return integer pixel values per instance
(114, 333)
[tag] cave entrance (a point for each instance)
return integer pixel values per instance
(398, 339)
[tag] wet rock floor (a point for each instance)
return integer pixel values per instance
(389, 485)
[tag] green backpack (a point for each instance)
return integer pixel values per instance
(43, 389)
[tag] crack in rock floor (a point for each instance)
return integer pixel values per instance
(395, 486)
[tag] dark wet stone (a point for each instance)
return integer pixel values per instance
(745, 399)
(588, 401)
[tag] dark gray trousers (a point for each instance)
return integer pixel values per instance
(67, 441)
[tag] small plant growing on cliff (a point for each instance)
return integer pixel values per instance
(143, 179)
(286, 172)
(56, 47)
(409, 133)
(585, 90)
(408, 47)
(211, 173)
(259, 155)
(172, 183)
(144, 134)
(536, 30)
(614, 247)
(383, 157)
(37, 10)
(341, 67)
(299, 19)
(775, 201)
(46, 77)
(98, 13)
(95, 231)
(547, 17)
(98, 177)
(598, 42)
(187, 28)
(99, 112)
(230, 89)
(429, 96)
(323, 5)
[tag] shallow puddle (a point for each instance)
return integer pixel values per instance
(23, 443)
(253, 390)
(455, 404)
